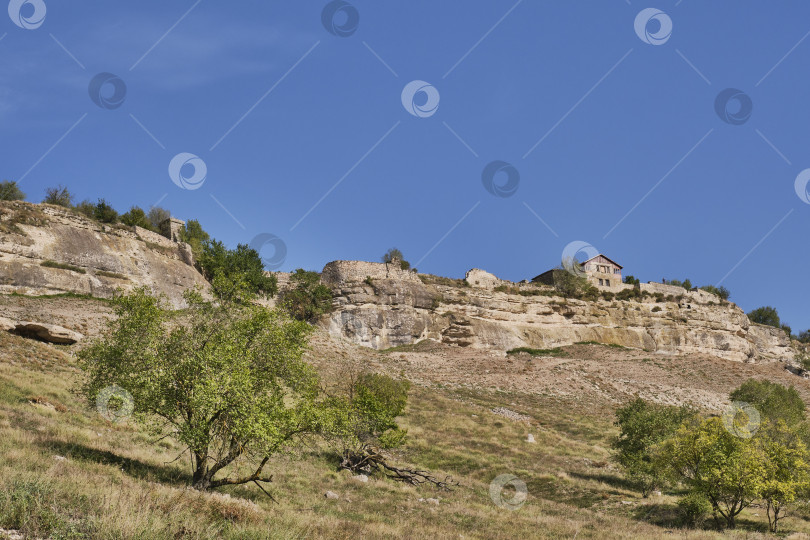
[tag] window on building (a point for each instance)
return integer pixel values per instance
(617, 271)
(607, 282)
(601, 281)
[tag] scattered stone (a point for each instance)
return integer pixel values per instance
(434, 502)
(59, 458)
(11, 534)
(657, 494)
(530, 439)
(627, 502)
(331, 495)
(361, 478)
(512, 415)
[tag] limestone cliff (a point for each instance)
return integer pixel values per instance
(379, 306)
(48, 249)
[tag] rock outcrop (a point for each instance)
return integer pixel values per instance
(381, 307)
(47, 249)
(50, 333)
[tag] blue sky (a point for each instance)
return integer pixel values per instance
(612, 136)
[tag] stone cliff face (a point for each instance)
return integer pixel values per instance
(381, 307)
(48, 249)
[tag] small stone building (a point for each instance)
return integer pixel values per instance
(600, 271)
(170, 228)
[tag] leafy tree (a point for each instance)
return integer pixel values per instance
(772, 400)
(136, 217)
(104, 212)
(804, 337)
(193, 234)
(722, 292)
(642, 426)
(59, 196)
(228, 383)
(9, 191)
(765, 315)
(394, 254)
(158, 215)
(730, 471)
(244, 261)
(788, 330)
(631, 280)
(307, 298)
(86, 208)
(687, 284)
(788, 470)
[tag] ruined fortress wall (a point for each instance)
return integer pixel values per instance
(342, 272)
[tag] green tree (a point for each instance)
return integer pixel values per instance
(244, 262)
(788, 469)
(642, 426)
(632, 280)
(722, 292)
(394, 254)
(59, 196)
(765, 315)
(730, 471)
(136, 217)
(307, 298)
(9, 191)
(804, 336)
(86, 208)
(158, 215)
(771, 400)
(193, 234)
(104, 212)
(228, 382)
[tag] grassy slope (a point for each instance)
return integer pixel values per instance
(115, 483)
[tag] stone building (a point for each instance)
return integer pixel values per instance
(600, 271)
(170, 228)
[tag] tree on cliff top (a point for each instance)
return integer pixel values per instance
(765, 315)
(9, 191)
(243, 262)
(395, 254)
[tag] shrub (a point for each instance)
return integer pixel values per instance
(556, 351)
(59, 196)
(136, 217)
(722, 292)
(9, 191)
(86, 208)
(394, 254)
(193, 234)
(243, 263)
(105, 213)
(772, 400)
(63, 266)
(765, 315)
(804, 337)
(694, 508)
(158, 215)
(631, 280)
(307, 298)
(656, 309)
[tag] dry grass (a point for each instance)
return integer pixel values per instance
(115, 482)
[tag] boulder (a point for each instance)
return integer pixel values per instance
(49, 333)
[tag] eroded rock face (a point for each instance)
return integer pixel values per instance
(49, 333)
(384, 312)
(60, 251)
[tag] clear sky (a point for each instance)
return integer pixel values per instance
(604, 119)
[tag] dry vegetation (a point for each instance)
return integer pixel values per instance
(67, 473)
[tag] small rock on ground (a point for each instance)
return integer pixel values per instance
(331, 495)
(361, 478)
(530, 439)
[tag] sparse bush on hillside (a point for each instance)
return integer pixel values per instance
(694, 508)
(9, 191)
(395, 254)
(765, 315)
(136, 217)
(631, 280)
(105, 213)
(243, 262)
(86, 208)
(158, 215)
(229, 384)
(772, 400)
(60, 196)
(722, 292)
(686, 284)
(307, 298)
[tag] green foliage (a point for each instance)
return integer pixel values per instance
(158, 215)
(63, 266)
(722, 292)
(730, 471)
(60, 196)
(86, 208)
(632, 280)
(307, 298)
(136, 217)
(694, 508)
(642, 426)
(804, 337)
(104, 212)
(788, 471)
(772, 400)
(572, 285)
(229, 383)
(686, 284)
(193, 234)
(394, 254)
(9, 191)
(242, 263)
(765, 315)
(556, 351)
